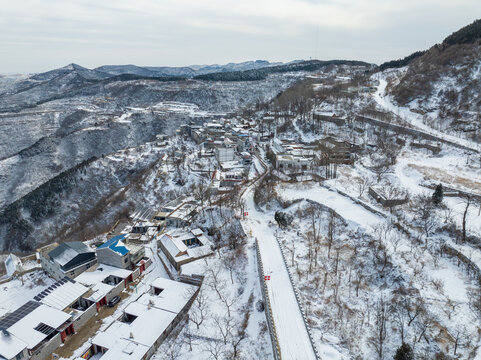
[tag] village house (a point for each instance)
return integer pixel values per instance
(224, 154)
(292, 163)
(33, 331)
(171, 206)
(67, 259)
(118, 253)
(332, 118)
(232, 178)
(214, 129)
(246, 158)
(184, 246)
(145, 323)
(105, 282)
(183, 215)
(335, 151)
(72, 298)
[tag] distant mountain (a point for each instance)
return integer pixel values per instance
(444, 82)
(263, 72)
(85, 73)
(184, 71)
(125, 69)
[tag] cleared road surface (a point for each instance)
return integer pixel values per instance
(291, 331)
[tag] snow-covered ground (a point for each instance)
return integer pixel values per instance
(344, 206)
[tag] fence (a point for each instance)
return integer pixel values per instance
(296, 293)
(270, 320)
(357, 201)
(470, 266)
(410, 131)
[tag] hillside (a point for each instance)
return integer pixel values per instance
(443, 84)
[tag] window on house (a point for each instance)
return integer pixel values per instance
(19, 356)
(125, 260)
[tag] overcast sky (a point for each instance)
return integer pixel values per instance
(39, 35)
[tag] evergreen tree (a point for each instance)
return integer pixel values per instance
(438, 194)
(404, 353)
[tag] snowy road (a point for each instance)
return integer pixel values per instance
(344, 206)
(415, 119)
(291, 331)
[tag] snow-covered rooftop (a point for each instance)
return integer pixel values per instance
(10, 345)
(102, 272)
(99, 291)
(173, 242)
(173, 245)
(146, 328)
(64, 295)
(66, 252)
(173, 297)
(118, 348)
(24, 328)
(116, 244)
(153, 316)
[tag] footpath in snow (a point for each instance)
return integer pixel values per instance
(292, 333)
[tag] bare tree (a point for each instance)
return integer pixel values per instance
(363, 185)
(424, 210)
(380, 169)
(380, 329)
(188, 339)
(228, 301)
(172, 351)
(216, 349)
(413, 308)
(230, 263)
(214, 280)
(224, 325)
(399, 314)
(200, 308)
(200, 190)
(395, 240)
(238, 332)
(468, 202)
(331, 231)
(461, 336)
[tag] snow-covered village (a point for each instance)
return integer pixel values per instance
(324, 210)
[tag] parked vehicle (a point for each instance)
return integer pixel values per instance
(114, 301)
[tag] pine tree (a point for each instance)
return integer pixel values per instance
(404, 353)
(438, 194)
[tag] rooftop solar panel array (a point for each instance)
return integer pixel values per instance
(45, 329)
(18, 314)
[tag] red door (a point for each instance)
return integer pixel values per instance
(63, 335)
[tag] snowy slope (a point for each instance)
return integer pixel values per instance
(415, 119)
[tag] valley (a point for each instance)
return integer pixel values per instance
(307, 210)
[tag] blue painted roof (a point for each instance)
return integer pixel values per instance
(113, 245)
